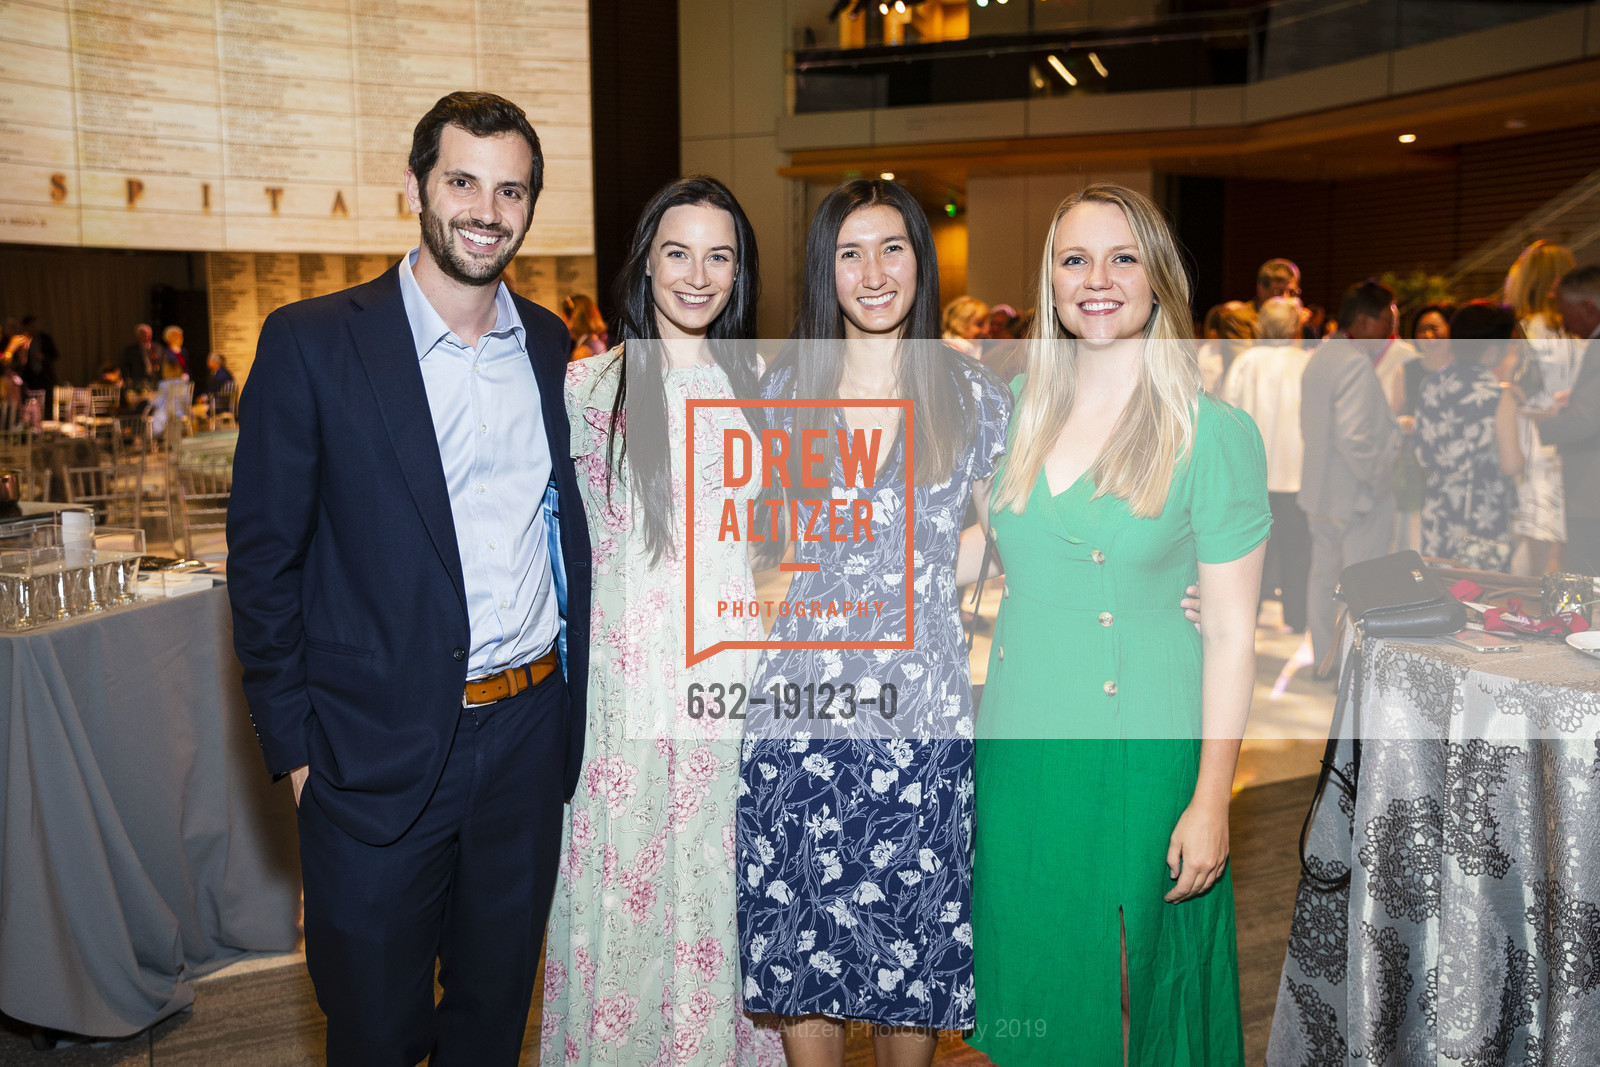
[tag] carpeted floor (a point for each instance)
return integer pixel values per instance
(270, 1019)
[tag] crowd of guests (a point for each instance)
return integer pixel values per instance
(144, 374)
(1439, 429)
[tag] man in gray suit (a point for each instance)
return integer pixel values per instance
(1351, 442)
(1575, 427)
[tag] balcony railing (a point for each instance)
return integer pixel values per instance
(1171, 51)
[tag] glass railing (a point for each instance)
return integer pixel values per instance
(1175, 50)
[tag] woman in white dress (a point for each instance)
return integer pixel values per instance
(1540, 523)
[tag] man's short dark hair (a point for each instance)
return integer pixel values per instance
(1370, 298)
(1277, 270)
(1581, 282)
(480, 114)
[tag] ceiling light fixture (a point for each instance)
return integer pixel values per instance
(1100, 67)
(887, 175)
(899, 7)
(1407, 138)
(1061, 69)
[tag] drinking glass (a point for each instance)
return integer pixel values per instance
(46, 585)
(120, 548)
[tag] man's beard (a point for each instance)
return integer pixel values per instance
(437, 236)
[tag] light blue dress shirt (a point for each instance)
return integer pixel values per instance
(490, 428)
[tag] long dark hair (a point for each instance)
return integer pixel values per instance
(639, 412)
(936, 386)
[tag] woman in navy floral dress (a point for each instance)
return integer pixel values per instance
(1467, 442)
(855, 836)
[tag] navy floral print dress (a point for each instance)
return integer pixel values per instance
(855, 852)
(1467, 502)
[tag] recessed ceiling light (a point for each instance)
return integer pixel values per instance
(887, 175)
(1099, 67)
(1061, 69)
(1407, 138)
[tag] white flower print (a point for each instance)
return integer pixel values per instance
(827, 963)
(818, 765)
(758, 948)
(963, 934)
(807, 942)
(901, 752)
(831, 868)
(883, 781)
(868, 893)
(951, 913)
(882, 853)
(928, 860)
(841, 913)
(768, 771)
(779, 891)
(910, 877)
(888, 979)
(905, 952)
(912, 794)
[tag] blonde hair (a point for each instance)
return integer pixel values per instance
(1156, 429)
(1532, 278)
(962, 312)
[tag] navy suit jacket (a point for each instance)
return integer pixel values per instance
(349, 608)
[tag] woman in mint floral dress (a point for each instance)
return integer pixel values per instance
(640, 963)
(855, 852)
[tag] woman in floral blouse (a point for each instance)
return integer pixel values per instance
(1467, 441)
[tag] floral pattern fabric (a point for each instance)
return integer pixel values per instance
(1469, 930)
(855, 851)
(1467, 502)
(641, 964)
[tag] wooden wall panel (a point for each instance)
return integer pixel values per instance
(1342, 232)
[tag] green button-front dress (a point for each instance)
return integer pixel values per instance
(1087, 754)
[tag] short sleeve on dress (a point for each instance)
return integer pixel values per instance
(992, 411)
(590, 390)
(1228, 505)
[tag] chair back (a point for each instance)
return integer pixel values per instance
(131, 436)
(204, 485)
(102, 399)
(114, 492)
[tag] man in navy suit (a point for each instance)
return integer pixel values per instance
(409, 571)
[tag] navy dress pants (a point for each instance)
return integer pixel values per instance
(468, 885)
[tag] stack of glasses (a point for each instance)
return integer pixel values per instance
(54, 572)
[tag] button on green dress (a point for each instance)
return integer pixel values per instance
(1088, 750)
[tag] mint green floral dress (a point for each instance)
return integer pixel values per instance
(641, 963)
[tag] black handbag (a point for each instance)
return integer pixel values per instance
(1391, 596)
(1398, 596)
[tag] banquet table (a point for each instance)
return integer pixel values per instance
(141, 845)
(1469, 929)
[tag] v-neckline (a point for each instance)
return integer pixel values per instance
(1044, 476)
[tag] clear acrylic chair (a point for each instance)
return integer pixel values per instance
(113, 491)
(203, 490)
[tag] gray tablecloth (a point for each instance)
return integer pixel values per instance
(1469, 931)
(142, 845)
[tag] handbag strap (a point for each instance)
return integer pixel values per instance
(1350, 693)
(971, 628)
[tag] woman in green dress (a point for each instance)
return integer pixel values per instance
(1110, 726)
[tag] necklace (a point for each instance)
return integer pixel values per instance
(848, 390)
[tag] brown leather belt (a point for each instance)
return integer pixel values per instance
(509, 682)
